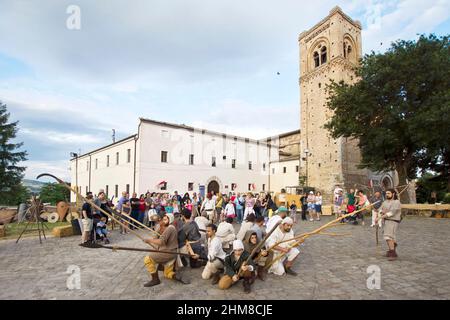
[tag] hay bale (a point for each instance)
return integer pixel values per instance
(327, 210)
(2, 230)
(65, 231)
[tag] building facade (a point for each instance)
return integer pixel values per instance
(165, 157)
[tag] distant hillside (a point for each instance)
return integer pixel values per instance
(33, 186)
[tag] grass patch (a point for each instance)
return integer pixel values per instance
(13, 230)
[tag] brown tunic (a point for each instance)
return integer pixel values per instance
(169, 240)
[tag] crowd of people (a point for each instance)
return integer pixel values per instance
(200, 232)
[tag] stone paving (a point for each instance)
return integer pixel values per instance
(329, 268)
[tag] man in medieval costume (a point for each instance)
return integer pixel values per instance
(166, 242)
(216, 256)
(236, 269)
(282, 233)
(391, 213)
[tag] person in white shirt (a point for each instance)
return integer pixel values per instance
(216, 256)
(229, 210)
(318, 205)
(202, 223)
(283, 232)
(209, 205)
(281, 214)
(247, 225)
(225, 232)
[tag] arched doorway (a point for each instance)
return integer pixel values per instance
(387, 183)
(213, 186)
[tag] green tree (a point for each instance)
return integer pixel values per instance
(399, 110)
(11, 190)
(53, 193)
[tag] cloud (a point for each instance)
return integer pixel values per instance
(60, 168)
(51, 137)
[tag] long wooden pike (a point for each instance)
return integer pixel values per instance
(117, 248)
(300, 239)
(94, 205)
(259, 246)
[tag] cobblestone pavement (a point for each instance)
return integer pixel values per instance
(328, 267)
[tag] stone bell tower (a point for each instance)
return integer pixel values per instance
(328, 51)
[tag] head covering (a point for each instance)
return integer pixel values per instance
(282, 209)
(311, 192)
(248, 246)
(238, 245)
(288, 220)
(171, 217)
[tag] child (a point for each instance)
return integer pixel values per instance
(293, 213)
(101, 230)
(169, 208)
(229, 210)
(189, 205)
(151, 213)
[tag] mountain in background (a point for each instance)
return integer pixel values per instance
(33, 186)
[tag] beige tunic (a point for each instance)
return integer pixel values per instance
(169, 240)
(394, 211)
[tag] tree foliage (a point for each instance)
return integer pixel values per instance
(11, 190)
(53, 193)
(399, 110)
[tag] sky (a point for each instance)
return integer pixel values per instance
(208, 64)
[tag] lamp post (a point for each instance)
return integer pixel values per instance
(306, 165)
(75, 155)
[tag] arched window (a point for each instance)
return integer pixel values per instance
(345, 50)
(349, 50)
(323, 55)
(316, 59)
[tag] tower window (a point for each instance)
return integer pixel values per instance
(316, 59)
(323, 55)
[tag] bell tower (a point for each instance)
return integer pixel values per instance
(328, 51)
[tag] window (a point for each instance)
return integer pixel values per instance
(233, 164)
(249, 187)
(128, 155)
(264, 167)
(316, 59)
(323, 55)
(284, 169)
(249, 165)
(164, 186)
(345, 50)
(87, 166)
(107, 191)
(296, 168)
(190, 186)
(233, 186)
(127, 189)
(273, 170)
(87, 190)
(164, 156)
(116, 191)
(107, 161)
(117, 158)
(191, 159)
(96, 164)
(264, 187)
(213, 162)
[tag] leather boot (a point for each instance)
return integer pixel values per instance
(247, 286)
(155, 280)
(262, 273)
(178, 277)
(288, 270)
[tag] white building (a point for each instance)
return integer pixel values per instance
(170, 157)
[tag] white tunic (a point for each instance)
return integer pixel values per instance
(277, 236)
